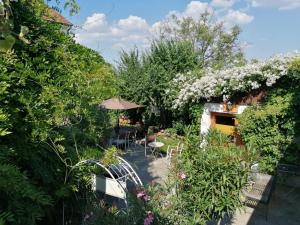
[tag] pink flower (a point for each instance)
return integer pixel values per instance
(182, 175)
(143, 196)
(149, 218)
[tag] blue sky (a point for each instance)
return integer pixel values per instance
(269, 26)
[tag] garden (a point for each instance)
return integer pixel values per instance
(51, 89)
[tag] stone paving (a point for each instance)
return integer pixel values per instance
(149, 169)
(284, 209)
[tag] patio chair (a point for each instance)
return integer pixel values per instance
(120, 142)
(174, 151)
(146, 141)
(132, 138)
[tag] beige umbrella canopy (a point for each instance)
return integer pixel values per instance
(119, 104)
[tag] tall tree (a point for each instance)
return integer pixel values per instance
(215, 45)
(152, 72)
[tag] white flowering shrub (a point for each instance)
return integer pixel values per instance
(216, 83)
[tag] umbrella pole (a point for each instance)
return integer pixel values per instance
(118, 121)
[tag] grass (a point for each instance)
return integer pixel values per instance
(173, 141)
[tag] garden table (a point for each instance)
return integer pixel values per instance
(155, 146)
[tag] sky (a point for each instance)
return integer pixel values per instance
(108, 26)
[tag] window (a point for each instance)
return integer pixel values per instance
(225, 120)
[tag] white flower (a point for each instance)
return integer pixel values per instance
(246, 78)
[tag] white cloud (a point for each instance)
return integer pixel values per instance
(112, 36)
(96, 21)
(222, 3)
(236, 17)
(133, 23)
(195, 8)
(280, 4)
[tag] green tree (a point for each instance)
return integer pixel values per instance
(49, 95)
(184, 44)
(152, 73)
(215, 46)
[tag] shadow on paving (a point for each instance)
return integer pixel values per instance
(149, 169)
(283, 209)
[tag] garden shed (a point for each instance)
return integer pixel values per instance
(222, 115)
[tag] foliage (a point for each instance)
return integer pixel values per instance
(215, 46)
(20, 198)
(49, 91)
(8, 33)
(205, 184)
(273, 128)
(136, 214)
(110, 156)
(152, 72)
(214, 181)
(226, 82)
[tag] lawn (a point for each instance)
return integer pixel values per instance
(168, 140)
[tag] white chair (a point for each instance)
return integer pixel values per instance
(147, 147)
(119, 142)
(132, 138)
(174, 151)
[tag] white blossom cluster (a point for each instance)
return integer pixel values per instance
(216, 83)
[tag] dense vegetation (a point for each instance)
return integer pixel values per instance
(273, 127)
(204, 185)
(189, 45)
(50, 88)
(49, 93)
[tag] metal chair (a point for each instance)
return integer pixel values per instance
(146, 146)
(119, 142)
(132, 138)
(174, 151)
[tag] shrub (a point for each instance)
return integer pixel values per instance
(205, 184)
(272, 128)
(215, 177)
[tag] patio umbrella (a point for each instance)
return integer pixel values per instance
(119, 104)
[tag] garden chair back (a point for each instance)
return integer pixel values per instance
(121, 141)
(174, 151)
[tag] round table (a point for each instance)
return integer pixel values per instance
(155, 145)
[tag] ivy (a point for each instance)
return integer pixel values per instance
(273, 127)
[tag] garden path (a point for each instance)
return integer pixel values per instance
(148, 168)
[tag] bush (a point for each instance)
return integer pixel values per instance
(49, 118)
(273, 128)
(205, 184)
(215, 177)
(179, 127)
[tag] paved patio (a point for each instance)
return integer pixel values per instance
(149, 169)
(284, 209)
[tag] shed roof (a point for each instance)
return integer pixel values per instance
(54, 16)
